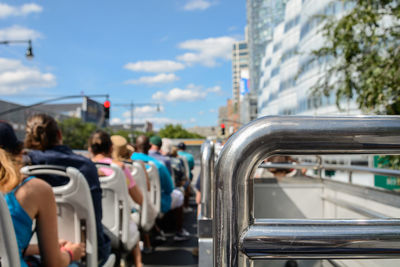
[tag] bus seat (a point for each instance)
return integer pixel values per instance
(155, 186)
(8, 242)
(148, 213)
(186, 163)
(75, 212)
(117, 206)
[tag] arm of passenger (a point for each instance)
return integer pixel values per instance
(134, 190)
(47, 231)
(136, 194)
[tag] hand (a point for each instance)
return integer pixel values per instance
(62, 242)
(78, 250)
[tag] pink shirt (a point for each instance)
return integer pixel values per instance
(108, 171)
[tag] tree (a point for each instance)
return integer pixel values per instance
(365, 47)
(76, 133)
(176, 131)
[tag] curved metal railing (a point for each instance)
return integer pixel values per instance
(240, 238)
(206, 186)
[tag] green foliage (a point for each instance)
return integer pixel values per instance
(365, 47)
(76, 132)
(176, 131)
(392, 162)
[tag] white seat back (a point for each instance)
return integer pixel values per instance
(186, 163)
(148, 211)
(8, 243)
(117, 207)
(75, 212)
(155, 186)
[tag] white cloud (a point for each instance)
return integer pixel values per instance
(176, 94)
(207, 51)
(212, 110)
(8, 11)
(201, 112)
(18, 33)
(191, 93)
(16, 78)
(197, 5)
(157, 66)
(116, 121)
(160, 78)
(215, 89)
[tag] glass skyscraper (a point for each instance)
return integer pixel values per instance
(262, 17)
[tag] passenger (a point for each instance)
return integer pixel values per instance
(44, 138)
(122, 152)
(28, 199)
(170, 198)
(177, 165)
(154, 151)
(182, 152)
(100, 146)
(280, 173)
(190, 159)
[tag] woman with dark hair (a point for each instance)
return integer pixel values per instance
(100, 146)
(29, 199)
(44, 139)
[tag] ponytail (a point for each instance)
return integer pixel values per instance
(41, 132)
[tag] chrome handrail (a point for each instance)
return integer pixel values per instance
(206, 186)
(295, 135)
(378, 171)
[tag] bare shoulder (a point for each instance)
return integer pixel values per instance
(37, 188)
(34, 195)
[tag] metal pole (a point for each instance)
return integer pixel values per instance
(293, 135)
(132, 126)
(207, 187)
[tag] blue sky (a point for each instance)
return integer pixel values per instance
(172, 52)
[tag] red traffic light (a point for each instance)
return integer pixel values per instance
(222, 125)
(107, 104)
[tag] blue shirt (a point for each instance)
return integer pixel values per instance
(165, 180)
(63, 156)
(21, 221)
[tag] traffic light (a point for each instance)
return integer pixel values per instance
(222, 129)
(107, 106)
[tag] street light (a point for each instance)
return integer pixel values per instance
(28, 53)
(131, 106)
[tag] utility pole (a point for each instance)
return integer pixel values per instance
(132, 106)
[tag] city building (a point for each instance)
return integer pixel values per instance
(240, 66)
(286, 72)
(262, 17)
